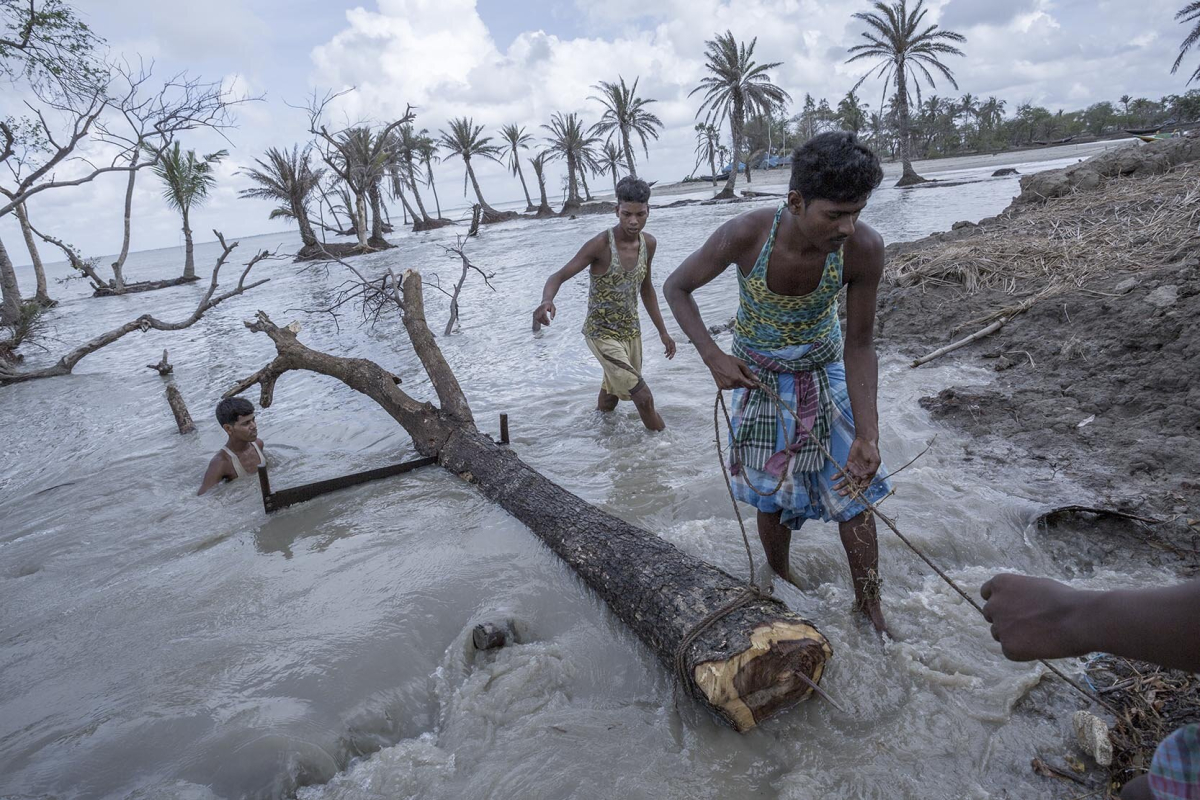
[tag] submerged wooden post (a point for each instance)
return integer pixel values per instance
(264, 483)
(504, 429)
(182, 418)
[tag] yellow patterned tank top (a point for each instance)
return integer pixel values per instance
(612, 297)
(767, 321)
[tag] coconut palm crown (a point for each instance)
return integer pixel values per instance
(735, 88)
(1189, 13)
(906, 49)
(287, 178)
(186, 182)
(625, 114)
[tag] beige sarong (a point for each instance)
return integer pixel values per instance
(622, 362)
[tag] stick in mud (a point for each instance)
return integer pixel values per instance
(179, 409)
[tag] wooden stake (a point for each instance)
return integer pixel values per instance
(182, 418)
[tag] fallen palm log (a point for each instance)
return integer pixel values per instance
(143, 323)
(744, 656)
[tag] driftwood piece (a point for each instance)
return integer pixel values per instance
(145, 322)
(744, 665)
(182, 418)
(163, 367)
(460, 250)
(950, 348)
(143, 286)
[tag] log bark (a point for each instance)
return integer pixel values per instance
(745, 666)
(183, 419)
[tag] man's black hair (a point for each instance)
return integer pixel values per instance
(632, 190)
(835, 166)
(229, 409)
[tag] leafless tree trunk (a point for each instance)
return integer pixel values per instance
(145, 322)
(10, 290)
(744, 656)
(118, 266)
(460, 251)
(42, 297)
(476, 218)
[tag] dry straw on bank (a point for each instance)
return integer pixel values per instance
(1032, 252)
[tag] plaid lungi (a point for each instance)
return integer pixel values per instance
(802, 494)
(1175, 769)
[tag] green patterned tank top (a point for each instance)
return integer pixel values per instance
(612, 298)
(767, 321)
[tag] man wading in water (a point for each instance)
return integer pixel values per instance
(612, 329)
(242, 454)
(792, 262)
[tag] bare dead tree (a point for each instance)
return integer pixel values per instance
(146, 322)
(123, 118)
(357, 155)
(459, 249)
(42, 296)
(742, 655)
(163, 367)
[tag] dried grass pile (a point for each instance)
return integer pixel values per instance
(1127, 224)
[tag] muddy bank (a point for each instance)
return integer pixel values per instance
(1097, 362)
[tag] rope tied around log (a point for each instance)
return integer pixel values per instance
(857, 492)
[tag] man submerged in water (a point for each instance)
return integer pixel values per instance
(612, 329)
(791, 264)
(242, 454)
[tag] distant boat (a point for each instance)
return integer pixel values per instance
(1151, 137)
(1064, 140)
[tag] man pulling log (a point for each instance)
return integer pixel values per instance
(788, 346)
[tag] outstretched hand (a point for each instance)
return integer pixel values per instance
(861, 465)
(544, 313)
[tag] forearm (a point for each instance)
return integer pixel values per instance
(1160, 625)
(550, 290)
(650, 301)
(687, 314)
(862, 383)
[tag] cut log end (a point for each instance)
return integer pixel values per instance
(764, 679)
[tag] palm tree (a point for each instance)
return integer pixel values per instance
(515, 140)
(463, 140)
(625, 113)
(287, 178)
(1189, 13)
(407, 151)
(905, 51)
(186, 181)
(568, 141)
(611, 159)
(539, 169)
(427, 149)
(1125, 99)
(708, 144)
(737, 87)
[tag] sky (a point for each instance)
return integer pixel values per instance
(502, 62)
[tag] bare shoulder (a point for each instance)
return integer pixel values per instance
(864, 253)
(651, 243)
(745, 230)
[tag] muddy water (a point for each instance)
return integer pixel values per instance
(155, 644)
